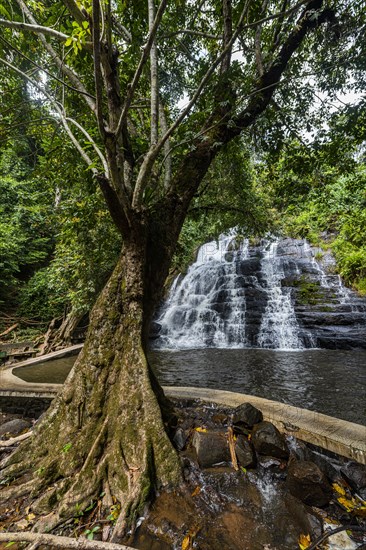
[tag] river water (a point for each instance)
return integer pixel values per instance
(327, 381)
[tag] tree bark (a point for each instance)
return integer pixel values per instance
(105, 430)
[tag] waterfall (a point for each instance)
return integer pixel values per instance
(207, 307)
(274, 294)
(279, 328)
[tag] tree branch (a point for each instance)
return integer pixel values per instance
(122, 30)
(272, 77)
(257, 43)
(97, 66)
(90, 139)
(19, 52)
(228, 32)
(193, 33)
(155, 149)
(196, 163)
(59, 110)
(154, 109)
(59, 62)
(278, 28)
(167, 162)
(73, 8)
(39, 29)
(144, 57)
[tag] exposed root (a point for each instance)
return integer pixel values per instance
(105, 427)
(61, 542)
(13, 440)
(18, 490)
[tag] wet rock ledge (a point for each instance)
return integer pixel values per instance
(250, 487)
(246, 487)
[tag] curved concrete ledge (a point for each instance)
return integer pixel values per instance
(72, 350)
(336, 435)
(339, 436)
(9, 383)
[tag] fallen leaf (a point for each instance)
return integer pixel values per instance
(201, 430)
(187, 542)
(304, 541)
(348, 504)
(196, 491)
(339, 489)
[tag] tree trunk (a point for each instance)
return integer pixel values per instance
(104, 432)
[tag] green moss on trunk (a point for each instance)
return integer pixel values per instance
(105, 427)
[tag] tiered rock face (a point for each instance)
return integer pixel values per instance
(276, 293)
(331, 315)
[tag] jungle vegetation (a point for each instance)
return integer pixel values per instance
(131, 132)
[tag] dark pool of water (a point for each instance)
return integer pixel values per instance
(330, 382)
(50, 372)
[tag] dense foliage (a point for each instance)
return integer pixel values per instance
(319, 189)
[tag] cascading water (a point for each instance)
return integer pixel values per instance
(279, 328)
(274, 294)
(207, 307)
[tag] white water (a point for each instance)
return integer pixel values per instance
(192, 316)
(236, 296)
(279, 328)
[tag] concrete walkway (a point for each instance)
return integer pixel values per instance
(339, 436)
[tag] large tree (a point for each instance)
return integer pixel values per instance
(115, 75)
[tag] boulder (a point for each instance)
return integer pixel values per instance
(179, 439)
(15, 427)
(246, 416)
(268, 441)
(211, 448)
(307, 482)
(244, 452)
(355, 474)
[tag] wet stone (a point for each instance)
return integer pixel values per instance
(211, 448)
(244, 452)
(246, 416)
(275, 466)
(267, 440)
(179, 439)
(325, 465)
(15, 427)
(307, 482)
(355, 474)
(304, 516)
